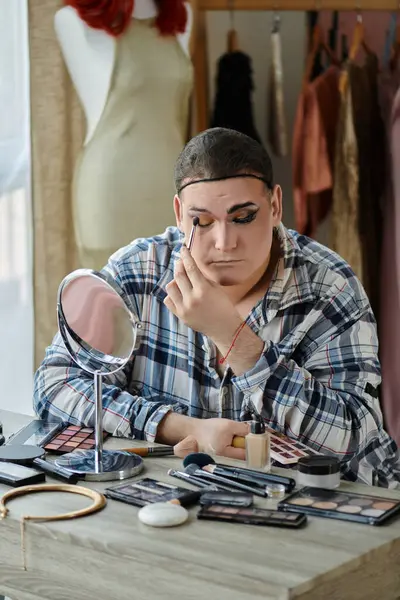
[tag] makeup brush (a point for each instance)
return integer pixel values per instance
(196, 481)
(196, 221)
(155, 451)
(207, 463)
(194, 470)
(238, 441)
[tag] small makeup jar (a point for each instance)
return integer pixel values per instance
(277, 491)
(318, 471)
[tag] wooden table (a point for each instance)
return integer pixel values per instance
(112, 556)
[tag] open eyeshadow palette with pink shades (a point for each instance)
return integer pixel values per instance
(359, 508)
(286, 451)
(69, 438)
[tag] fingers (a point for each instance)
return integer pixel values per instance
(240, 429)
(193, 272)
(170, 305)
(182, 280)
(231, 452)
(174, 293)
(186, 446)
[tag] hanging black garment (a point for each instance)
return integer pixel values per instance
(233, 106)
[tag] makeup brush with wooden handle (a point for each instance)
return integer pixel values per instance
(238, 442)
(189, 444)
(154, 451)
(185, 447)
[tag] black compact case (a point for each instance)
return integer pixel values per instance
(226, 499)
(252, 516)
(337, 504)
(148, 490)
(17, 475)
(36, 433)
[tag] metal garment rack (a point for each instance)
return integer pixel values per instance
(199, 38)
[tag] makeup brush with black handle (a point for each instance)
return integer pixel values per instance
(206, 462)
(194, 470)
(191, 479)
(195, 222)
(55, 471)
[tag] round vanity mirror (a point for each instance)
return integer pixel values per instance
(100, 333)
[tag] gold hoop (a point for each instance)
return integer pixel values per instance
(99, 502)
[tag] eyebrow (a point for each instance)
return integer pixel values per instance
(230, 210)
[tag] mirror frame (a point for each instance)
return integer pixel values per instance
(92, 354)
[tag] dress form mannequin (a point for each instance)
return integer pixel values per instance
(106, 216)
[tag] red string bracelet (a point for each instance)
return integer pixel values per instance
(235, 337)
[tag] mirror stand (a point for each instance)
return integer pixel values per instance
(97, 328)
(99, 464)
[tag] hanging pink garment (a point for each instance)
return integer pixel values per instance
(389, 329)
(313, 150)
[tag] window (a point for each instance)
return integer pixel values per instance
(16, 293)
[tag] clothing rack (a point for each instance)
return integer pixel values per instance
(199, 40)
(300, 5)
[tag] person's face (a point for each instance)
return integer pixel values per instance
(236, 220)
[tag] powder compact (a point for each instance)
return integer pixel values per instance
(148, 490)
(252, 516)
(335, 504)
(318, 471)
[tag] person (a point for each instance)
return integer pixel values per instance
(255, 315)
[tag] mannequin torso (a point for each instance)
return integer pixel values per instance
(89, 55)
(135, 91)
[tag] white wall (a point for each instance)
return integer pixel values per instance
(254, 38)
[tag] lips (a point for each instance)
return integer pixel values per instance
(224, 262)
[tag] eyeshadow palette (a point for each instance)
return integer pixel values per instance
(347, 506)
(69, 438)
(286, 451)
(251, 516)
(148, 490)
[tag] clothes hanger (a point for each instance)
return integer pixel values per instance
(276, 19)
(358, 42)
(318, 44)
(233, 38)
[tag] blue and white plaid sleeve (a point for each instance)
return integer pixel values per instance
(64, 391)
(326, 395)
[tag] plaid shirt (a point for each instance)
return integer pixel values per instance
(315, 381)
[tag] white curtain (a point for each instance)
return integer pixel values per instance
(16, 295)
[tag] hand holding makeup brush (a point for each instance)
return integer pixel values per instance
(200, 303)
(216, 436)
(189, 445)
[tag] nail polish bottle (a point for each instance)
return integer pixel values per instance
(258, 455)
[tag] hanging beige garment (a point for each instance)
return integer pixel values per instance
(345, 238)
(277, 126)
(123, 185)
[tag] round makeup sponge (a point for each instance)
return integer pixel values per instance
(163, 514)
(201, 459)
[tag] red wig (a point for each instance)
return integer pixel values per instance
(114, 16)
